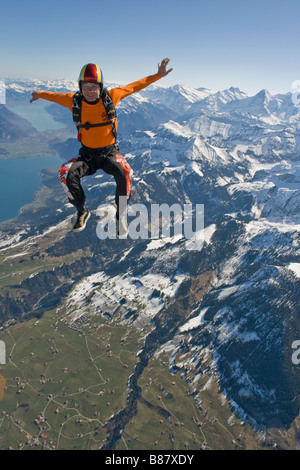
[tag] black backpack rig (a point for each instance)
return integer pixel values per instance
(109, 108)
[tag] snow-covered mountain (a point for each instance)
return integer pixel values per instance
(225, 302)
(19, 91)
(178, 97)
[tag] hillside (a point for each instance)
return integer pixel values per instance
(199, 329)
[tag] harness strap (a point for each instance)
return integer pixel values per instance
(88, 125)
(109, 108)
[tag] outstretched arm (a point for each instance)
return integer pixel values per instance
(162, 67)
(64, 99)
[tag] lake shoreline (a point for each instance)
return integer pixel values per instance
(20, 178)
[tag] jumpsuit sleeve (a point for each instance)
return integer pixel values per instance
(64, 99)
(118, 94)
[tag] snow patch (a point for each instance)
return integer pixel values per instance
(194, 322)
(295, 267)
(144, 295)
(196, 243)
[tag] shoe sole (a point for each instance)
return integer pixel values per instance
(123, 235)
(84, 225)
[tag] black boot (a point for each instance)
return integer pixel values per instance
(82, 218)
(122, 226)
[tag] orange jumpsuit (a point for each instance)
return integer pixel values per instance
(98, 143)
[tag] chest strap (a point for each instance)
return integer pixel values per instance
(109, 108)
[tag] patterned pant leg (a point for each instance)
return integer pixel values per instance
(62, 176)
(128, 172)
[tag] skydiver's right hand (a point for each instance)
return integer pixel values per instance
(34, 97)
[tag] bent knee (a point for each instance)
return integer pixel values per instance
(65, 169)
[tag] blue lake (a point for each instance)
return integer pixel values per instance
(36, 114)
(19, 179)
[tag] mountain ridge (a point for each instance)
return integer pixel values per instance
(238, 329)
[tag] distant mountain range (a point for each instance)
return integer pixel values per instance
(225, 305)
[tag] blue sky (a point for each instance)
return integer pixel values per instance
(216, 44)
